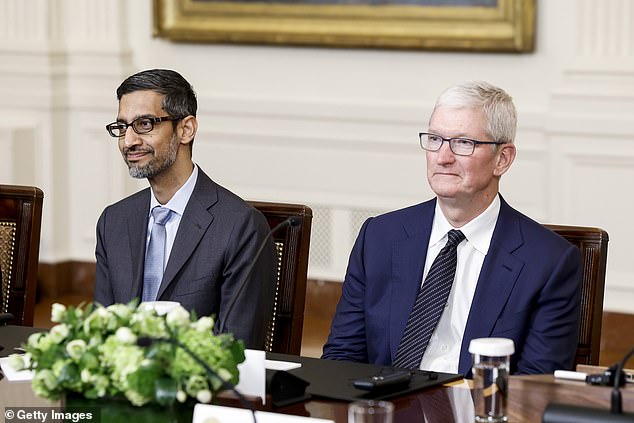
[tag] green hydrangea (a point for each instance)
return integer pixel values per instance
(93, 351)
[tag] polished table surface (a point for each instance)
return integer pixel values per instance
(528, 397)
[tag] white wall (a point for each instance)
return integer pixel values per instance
(331, 128)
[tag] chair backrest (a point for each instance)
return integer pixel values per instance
(284, 334)
(593, 244)
(20, 222)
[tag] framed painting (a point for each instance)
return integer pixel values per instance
(472, 25)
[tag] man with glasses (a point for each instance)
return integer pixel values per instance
(185, 238)
(425, 280)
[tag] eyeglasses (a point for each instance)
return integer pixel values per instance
(140, 125)
(459, 146)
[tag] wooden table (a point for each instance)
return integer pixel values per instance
(528, 397)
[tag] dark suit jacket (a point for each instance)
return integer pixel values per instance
(528, 290)
(216, 242)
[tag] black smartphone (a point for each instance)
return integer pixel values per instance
(386, 378)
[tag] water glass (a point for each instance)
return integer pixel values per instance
(491, 363)
(371, 412)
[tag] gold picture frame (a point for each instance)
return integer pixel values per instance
(505, 26)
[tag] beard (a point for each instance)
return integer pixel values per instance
(157, 164)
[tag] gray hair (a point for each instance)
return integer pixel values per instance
(496, 104)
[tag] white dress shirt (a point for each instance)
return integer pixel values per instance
(443, 350)
(177, 205)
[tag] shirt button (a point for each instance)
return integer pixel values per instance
(444, 348)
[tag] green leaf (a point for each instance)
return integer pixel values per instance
(237, 351)
(88, 361)
(165, 391)
(69, 375)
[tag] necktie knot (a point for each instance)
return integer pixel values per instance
(454, 238)
(161, 215)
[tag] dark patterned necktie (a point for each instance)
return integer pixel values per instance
(429, 305)
(155, 255)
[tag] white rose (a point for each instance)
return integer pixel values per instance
(17, 361)
(177, 317)
(95, 340)
(46, 378)
(99, 320)
(58, 333)
(58, 312)
(103, 313)
(34, 339)
(79, 312)
(204, 324)
(121, 310)
(204, 396)
(224, 374)
(125, 335)
(76, 348)
(181, 396)
(100, 382)
(145, 308)
(86, 376)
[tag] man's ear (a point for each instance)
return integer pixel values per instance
(187, 129)
(505, 157)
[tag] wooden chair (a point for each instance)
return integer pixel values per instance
(593, 244)
(292, 243)
(20, 222)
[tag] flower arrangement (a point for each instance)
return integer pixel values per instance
(93, 351)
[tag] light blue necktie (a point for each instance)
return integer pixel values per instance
(155, 254)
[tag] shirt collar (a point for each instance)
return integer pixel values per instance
(179, 200)
(478, 231)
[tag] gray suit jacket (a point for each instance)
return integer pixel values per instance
(214, 247)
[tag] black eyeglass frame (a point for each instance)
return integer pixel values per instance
(451, 142)
(152, 119)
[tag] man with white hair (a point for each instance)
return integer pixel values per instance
(425, 280)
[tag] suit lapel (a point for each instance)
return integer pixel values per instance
(193, 226)
(137, 233)
(498, 276)
(408, 262)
